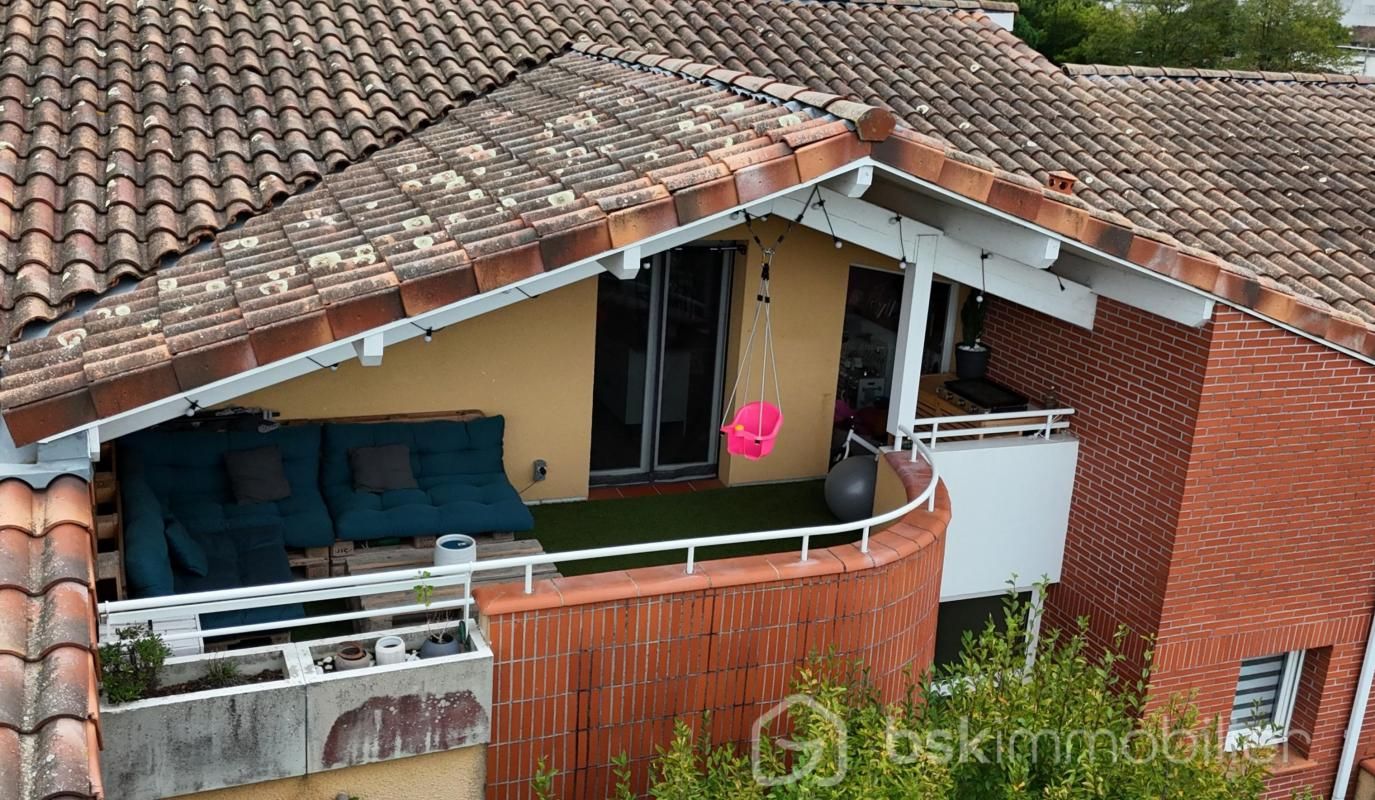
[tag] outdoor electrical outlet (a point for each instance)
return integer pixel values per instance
(541, 469)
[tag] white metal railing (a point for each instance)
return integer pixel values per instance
(1042, 423)
(121, 613)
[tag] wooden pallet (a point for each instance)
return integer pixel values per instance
(417, 548)
(308, 562)
(379, 559)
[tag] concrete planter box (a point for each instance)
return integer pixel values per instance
(378, 713)
(167, 746)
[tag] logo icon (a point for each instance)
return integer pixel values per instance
(809, 754)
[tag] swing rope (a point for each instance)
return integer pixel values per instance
(764, 306)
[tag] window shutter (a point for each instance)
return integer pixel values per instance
(1258, 691)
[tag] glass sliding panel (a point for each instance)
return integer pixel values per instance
(690, 360)
(625, 311)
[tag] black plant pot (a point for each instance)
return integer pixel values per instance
(972, 362)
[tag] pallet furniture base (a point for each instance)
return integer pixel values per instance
(308, 562)
(380, 559)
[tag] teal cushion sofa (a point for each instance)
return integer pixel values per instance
(459, 472)
(180, 475)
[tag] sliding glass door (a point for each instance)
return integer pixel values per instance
(660, 356)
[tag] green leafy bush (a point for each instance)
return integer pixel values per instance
(996, 725)
(129, 665)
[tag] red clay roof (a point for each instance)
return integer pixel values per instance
(132, 130)
(49, 740)
(115, 161)
(1273, 171)
(587, 154)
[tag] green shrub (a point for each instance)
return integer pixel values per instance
(129, 665)
(994, 726)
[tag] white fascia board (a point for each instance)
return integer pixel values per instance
(1096, 256)
(1013, 240)
(1134, 289)
(401, 330)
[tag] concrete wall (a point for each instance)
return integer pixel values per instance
(531, 362)
(453, 775)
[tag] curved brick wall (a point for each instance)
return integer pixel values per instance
(591, 666)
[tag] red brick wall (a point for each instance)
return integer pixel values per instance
(1134, 382)
(1275, 548)
(594, 666)
(1225, 500)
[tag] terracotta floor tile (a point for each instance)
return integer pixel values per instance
(603, 493)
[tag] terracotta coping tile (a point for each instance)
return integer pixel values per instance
(599, 587)
(727, 572)
(667, 579)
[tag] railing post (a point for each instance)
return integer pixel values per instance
(806, 545)
(935, 429)
(864, 540)
(529, 578)
(692, 559)
(1050, 420)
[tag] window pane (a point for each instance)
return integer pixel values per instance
(1257, 690)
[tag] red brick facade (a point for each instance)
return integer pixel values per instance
(1134, 382)
(591, 667)
(1225, 501)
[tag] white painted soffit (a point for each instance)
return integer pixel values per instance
(616, 261)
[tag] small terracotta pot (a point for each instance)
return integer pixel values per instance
(351, 655)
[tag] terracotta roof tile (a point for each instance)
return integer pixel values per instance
(132, 131)
(572, 159)
(49, 738)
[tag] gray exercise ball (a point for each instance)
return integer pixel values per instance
(850, 488)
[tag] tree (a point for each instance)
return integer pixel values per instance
(1304, 35)
(994, 726)
(1290, 35)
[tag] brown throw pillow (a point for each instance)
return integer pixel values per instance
(382, 469)
(257, 476)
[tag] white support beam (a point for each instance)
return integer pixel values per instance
(994, 235)
(93, 443)
(369, 350)
(625, 265)
(857, 222)
(916, 301)
(872, 227)
(1034, 288)
(852, 184)
(1141, 291)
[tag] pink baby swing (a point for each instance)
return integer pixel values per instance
(755, 427)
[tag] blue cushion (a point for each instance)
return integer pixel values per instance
(186, 552)
(185, 472)
(458, 466)
(249, 556)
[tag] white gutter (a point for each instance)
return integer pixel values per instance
(1357, 719)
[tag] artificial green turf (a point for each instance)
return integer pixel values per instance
(605, 523)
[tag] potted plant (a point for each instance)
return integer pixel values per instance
(971, 355)
(129, 666)
(437, 642)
